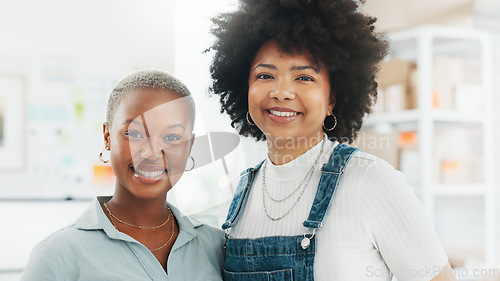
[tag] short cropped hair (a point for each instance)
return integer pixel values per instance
(148, 79)
(335, 32)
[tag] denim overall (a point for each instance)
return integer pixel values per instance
(281, 257)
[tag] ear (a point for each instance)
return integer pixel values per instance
(105, 132)
(331, 106)
(191, 142)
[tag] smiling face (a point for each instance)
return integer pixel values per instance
(149, 139)
(288, 95)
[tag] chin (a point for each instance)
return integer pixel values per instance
(284, 134)
(151, 191)
(151, 195)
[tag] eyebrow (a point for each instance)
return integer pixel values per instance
(303, 67)
(130, 121)
(270, 66)
(293, 68)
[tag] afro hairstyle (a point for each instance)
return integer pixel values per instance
(335, 32)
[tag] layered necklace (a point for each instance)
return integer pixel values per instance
(146, 227)
(302, 187)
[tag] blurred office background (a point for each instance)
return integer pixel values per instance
(435, 120)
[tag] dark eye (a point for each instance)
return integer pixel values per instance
(172, 138)
(264, 76)
(134, 134)
(305, 78)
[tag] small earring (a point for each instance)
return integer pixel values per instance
(192, 167)
(100, 155)
(248, 119)
(334, 123)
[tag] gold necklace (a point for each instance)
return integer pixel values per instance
(147, 227)
(171, 234)
(133, 225)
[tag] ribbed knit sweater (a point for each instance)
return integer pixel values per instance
(375, 227)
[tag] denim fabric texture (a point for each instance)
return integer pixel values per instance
(280, 257)
(330, 176)
(239, 199)
(269, 258)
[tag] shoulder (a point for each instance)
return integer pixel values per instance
(364, 160)
(207, 232)
(53, 257)
(208, 247)
(373, 178)
(66, 242)
(59, 240)
(381, 191)
(200, 230)
(69, 241)
(370, 169)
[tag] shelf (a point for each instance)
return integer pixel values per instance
(445, 41)
(473, 189)
(452, 116)
(460, 190)
(422, 45)
(413, 116)
(406, 116)
(439, 32)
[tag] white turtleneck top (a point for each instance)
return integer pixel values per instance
(375, 227)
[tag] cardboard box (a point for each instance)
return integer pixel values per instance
(458, 155)
(383, 144)
(395, 97)
(397, 80)
(409, 156)
(448, 74)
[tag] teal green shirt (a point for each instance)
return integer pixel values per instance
(93, 249)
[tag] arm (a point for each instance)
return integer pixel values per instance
(42, 266)
(445, 275)
(401, 229)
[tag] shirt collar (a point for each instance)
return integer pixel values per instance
(94, 218)
(187, 227)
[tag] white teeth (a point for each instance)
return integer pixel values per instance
(150, 174)
(283, 113)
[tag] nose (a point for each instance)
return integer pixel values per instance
(152, 150)
(282, 91)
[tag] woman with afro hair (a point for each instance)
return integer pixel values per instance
(300, 75)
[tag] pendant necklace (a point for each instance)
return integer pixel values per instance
(303, 184)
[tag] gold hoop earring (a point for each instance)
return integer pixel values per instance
(192, 167)
(334, 123)
(100, 155)
(248, 119)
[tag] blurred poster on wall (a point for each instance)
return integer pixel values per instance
(12, 121)
(1, 120)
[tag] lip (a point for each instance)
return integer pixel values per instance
(282, 119)
(149, 174)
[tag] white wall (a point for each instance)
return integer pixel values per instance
(71, 54)
(86, 47)
(91, 44)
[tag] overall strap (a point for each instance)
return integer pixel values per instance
(330, 176)
(241, 195)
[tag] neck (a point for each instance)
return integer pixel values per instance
(139, 211)
(284, 150)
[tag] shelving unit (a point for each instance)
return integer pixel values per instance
(421, 45)
(413, 115)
